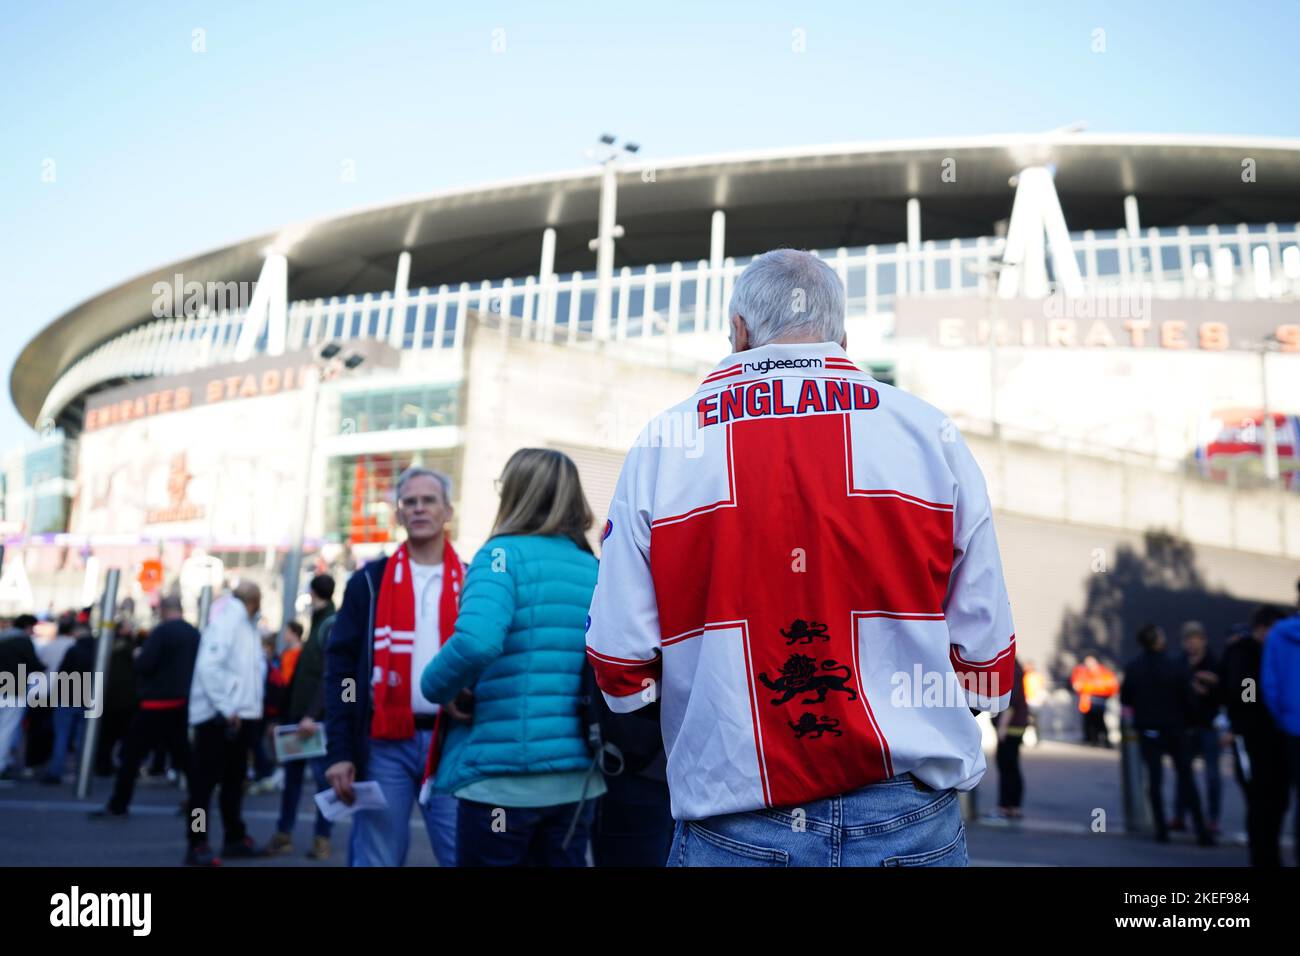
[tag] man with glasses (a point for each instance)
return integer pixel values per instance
(397, 613)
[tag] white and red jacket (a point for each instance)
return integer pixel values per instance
(800, 564)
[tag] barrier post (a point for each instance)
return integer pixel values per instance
(103, 654)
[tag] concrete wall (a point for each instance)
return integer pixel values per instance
(588, 401)
(1052, 569)
(1129, 492)
(1153, 400)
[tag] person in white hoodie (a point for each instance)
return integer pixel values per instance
(225, 712)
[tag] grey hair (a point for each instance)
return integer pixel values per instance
(418, 471)
(789, 292)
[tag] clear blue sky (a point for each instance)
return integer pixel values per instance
(160, 152)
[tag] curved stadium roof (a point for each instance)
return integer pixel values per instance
(815, 197)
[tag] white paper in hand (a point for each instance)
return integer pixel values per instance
(368, 797)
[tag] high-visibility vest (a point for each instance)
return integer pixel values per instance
(1090, 682)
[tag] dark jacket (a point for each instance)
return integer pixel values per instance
(349, 656)
(120, 695)
(165, 667)
(1242, 661)
(1019, 705)
(306, 697)
(1158, 688)
(1203, 708)
(80, 657)
(17, 648)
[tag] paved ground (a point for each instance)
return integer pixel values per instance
(1069, 790)
(1066, 786)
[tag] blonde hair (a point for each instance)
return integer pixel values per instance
(541, 494)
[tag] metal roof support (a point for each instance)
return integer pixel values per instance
(267, 308)
(397, 316)
(913, 241)
(1035, 212)
(717, 248)
(545, 276)
(608, 230)
(1133, 226)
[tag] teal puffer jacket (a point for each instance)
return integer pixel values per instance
(520, 644)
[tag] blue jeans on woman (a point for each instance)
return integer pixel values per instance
(891, 823)
(522, 836)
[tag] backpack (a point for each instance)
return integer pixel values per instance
(621, 743)
(617, 743)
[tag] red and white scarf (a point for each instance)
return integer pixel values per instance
(394, 639)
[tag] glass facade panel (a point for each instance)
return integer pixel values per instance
(43, 464)
(49, 514)
(414, 406)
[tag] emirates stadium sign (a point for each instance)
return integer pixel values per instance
(1099, 322)
(257, 378)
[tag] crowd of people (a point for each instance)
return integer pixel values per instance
(1187, 708)
(1188, 705)
(383, 679)
(727, 697)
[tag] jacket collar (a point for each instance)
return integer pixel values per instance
(803, 356)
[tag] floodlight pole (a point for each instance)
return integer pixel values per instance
(605, 235)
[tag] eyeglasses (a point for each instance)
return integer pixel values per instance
(427, 501)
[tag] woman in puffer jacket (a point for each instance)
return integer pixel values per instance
(519, 763)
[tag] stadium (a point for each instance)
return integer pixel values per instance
(1112, 320)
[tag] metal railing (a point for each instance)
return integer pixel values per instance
(1243, 263)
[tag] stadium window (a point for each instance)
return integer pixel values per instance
(1108, 262)
(392, 417)
(887, 279)
(449, 333)
(396, 409)
(408, 333)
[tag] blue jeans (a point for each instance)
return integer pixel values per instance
(292, 793)
(69, 728)
(382, 837)
(892, 823)
(1204, 742)
(521, 836)
(11, 729)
